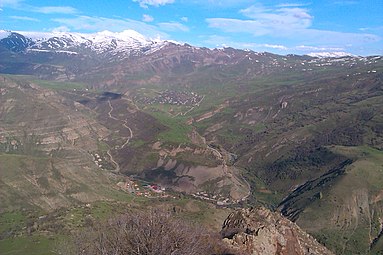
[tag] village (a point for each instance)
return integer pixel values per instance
(152, 190)
(172, 98)
(141, 188)
(217, 199)
(134, 185)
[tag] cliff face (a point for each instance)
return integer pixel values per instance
(260, 231)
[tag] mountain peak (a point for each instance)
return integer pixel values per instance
(337, 54)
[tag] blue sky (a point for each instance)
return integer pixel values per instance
(283, 27)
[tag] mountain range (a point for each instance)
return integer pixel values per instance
(127, 41)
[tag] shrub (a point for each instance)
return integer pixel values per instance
(145, 233)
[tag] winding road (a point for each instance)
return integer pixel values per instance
(224, 163)
(125, 122)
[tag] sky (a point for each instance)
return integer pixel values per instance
(282, 27)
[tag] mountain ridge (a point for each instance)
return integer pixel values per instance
(127, 41)
(103, 41)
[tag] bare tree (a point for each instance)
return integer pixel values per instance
(145, 233)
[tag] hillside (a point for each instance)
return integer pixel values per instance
(81, 115)
(346, 205)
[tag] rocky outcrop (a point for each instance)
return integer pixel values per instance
(260, 231)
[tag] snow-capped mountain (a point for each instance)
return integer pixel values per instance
(14, 41)
(337, 54)
(108, 59)
(127, 42)
(118, 45)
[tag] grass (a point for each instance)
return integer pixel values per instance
(31, 245)
(177, 132)
(102, 146)
(197, 160)
(48, 180)
(56, 85)
(327, 218)
(331, 239)
(259, 127)
(11, 164)
(44, 242)
(368, 165)
(11, 220)
(229, 135)
(261, 194)
(135, 143)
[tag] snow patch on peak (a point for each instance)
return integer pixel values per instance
(337, 54)
(4, 34)
(125, 38)
(132, 34)
(126, 35)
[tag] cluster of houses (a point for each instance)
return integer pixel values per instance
(173, 98)
(8, 144)
(3, 91)
(97, 160)
(218, 199)
(142, 189)
(133, 186)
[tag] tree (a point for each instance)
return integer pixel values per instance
(145, 233)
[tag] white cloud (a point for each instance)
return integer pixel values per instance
(343, 3)
(280, 18)
(24, 18)
(325, 37)
(219, 3)
(265, 21)
(291, 5)
(147, 18)
(378, 29)
(146, 3)
(238, 26)
(20, 5)
(54, 9)
(173, 26)
(223, 41)
(274, 46)
(10, 3)
(289, 23)
(294, 32)
(96, 24)
(185, 19)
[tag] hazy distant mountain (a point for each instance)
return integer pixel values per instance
(329, 54)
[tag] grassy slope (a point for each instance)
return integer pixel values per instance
(346, 217)
(49, 183)
(177, 132)
(57, 226)
(33, 245)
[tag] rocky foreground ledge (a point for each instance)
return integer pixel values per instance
(260, 231)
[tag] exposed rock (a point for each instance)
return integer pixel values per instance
(260, 231)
